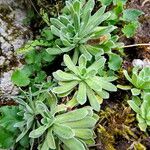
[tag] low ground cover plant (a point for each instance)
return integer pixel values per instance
(140, 90)
(91, 86)
(62, 113)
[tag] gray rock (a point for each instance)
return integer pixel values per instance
(13, 34)
(6, 86)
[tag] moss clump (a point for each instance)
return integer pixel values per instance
(118, 125)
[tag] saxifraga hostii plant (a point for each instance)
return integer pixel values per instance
(50, 125)
(79, 31)
(140, 90)
(139, 79)
(71, 130)
(142, 109)
(89, 83)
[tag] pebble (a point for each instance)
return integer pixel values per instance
(141, 63)
(2, 60)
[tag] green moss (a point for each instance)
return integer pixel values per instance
(118, 121)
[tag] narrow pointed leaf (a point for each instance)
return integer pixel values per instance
(127, 76)
(81, 95)
(93, 85)
(82, 61)
(93, 99)
(65, 88)
(134, 106)
(49, 141)
(58, 50)
(94, 50)
(97, 64)
(63, 76)
(107, 85)
(103, 94)
(76, 22)
(84, 51)
(70, 65)
(55, 31)
(38, 132)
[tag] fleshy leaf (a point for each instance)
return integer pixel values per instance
(81, 95)
(63, 131)
(72, 116)
(93, 99)
(73, 144)
(65, 88)
(38, 132)
(83, 133)
(70, 65)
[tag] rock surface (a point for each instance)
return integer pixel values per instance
(13, 34)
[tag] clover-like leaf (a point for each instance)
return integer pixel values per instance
(130, 29)
(8, 118)
(20, 78)
(6, 138)
(131, 14)
(115, 61)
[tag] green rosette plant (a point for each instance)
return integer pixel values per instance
(140, 90)
(142, 109)
(71, 130)
(79, 31)
(49, 124)
(85, 80)
(28, 112)
(139, 79)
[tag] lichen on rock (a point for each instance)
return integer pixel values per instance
(13, 34)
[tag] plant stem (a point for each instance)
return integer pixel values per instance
(134, 45)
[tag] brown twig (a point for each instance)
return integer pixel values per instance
(95, 145)
(134, 45)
